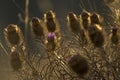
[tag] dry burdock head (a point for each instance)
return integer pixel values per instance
(85, 19)
(73, 22)
(13, 35)
(96, 35)
(50, 21)
(37, 27)
(95, 18)
(50, 44)
(114, 36)
(15, 60)
(79, 64)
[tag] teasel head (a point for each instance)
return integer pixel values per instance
(85, 19)
(50, 21)
(37, 27)
(15, 60)
(50, 42)
(96, 35)
(79, 64)
(13, 35)
(95, 18)
(114, 36)
(73, 22)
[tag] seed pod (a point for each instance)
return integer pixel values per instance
(85, 16)
(96, 35)
(15, 60)
(73, 22)
(13, 35)
(37, 27)
(95, 18)
(79, 64)
(50, 44)
(50, 21)
(114, 36)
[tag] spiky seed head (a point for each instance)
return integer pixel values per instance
(71, 16)
(36, 27)
(50, 21)
(49, 15)
(16, 61)
(85, 19)
(13, 35)
(79, 64)
(85, 15)
(95, 18)
(35, 21)
(96, 35)
(73, 22)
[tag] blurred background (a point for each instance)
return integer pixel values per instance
(12, 11)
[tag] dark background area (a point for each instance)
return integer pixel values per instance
(9, 9)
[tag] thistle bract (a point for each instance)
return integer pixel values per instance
(94, 18)
(85, 19)
(96, 35)
(73, 22)
(37, 27)
(50, 21)
(13, 35)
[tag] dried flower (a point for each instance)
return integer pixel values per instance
(16, 61)
(96, 35)
(73, 22)
(85, 16)
(37, 27)
(95, 18)
(79, 64)
(13, 35)
(50, 21)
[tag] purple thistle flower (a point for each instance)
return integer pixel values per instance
(51, 36)
(114, 29)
